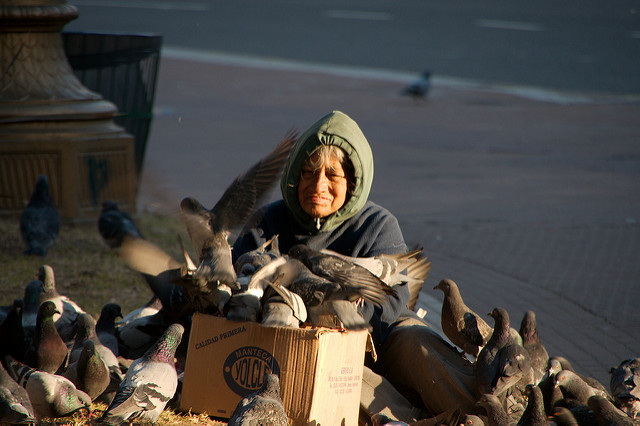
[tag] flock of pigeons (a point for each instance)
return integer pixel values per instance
(57, 359)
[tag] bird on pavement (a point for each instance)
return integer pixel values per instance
(496, 413)
(263, 407)
(89, 373)
(607, 413)
(114, 224)
(419, 88)
(466, 329)
(209, 230)
(51, 395)
(538, 355)
(15, 406)
(625, 386)
(151, 381)
(534, 414)
(40, 220)
(575, 388)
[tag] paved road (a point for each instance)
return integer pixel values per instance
(590, 45)
(526, 204)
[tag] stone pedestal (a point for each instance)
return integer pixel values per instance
(51, 124)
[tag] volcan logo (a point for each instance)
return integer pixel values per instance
(245, 367)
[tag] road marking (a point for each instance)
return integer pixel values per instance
(356, 14)
(508, 25)
(154, 5)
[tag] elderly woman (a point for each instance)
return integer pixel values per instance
(325, 188)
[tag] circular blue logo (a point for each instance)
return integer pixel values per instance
(245, 368)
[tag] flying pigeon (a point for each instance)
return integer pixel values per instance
(106, 326)
(114, 224)
(50, 351)
(15, 406)
(149, 384)
(607, 413)
(68, 310)
(40, 220)
(89, 373)
(419, 88)
(263, 407)
(209, 230)
(466, 329)
(51, 395)
(538, 355)
(625, 386)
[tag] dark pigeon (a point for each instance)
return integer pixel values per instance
(534, 414)
(51, 352)
(263, 407)
(625, 386)
(151, 381)
(15, 406)
(607, 413)
(466, 329)
(209, 230)
(562, 416)
(419, 89)
(68, 310)
(538, 355)
(496, 413)
(31, 304)
(575, 388)
(114, 224)
(12, 334)
(40, 220)
(89, 373)
(106, 326)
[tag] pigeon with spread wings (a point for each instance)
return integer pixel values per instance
(209, 230)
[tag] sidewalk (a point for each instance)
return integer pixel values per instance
(526, 204)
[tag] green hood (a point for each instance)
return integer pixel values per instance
(340, 130)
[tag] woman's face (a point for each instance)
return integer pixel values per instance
(323, 191)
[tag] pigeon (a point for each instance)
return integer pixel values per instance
(418, 89)
(471, 420)
(250, 262)
(591, 381)
(538, 355)
(31, 304)
(15, 406)
(86, 330)
(381, 419)
(89, 373)
(151, 381)
(607, 413)
(209, 230)
(466, 329)
(575, 388)
(562, 416)
(323, 297)
(534, 414)
(151, 307)
(550, 393)
(496, 413)
(625, 386)
(50, 351)
(114, 224)
(12, 334)
(263, 407)
(106, 327)
(40, 220)
(502, 363)
(282, 307)
(51, 395)
(68, 310)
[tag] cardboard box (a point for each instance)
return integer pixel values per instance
(320, 369)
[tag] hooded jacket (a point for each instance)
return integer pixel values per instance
(360, 228)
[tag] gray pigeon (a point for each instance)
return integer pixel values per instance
(106, 326)
(466, 329)
(151, 381)
(68, 310)
(534, 414)
(51, 395)
(625, 386)
(471, 420)
(89, 373)
(263, 407)
(607, 413)
(250, 262)
(51, 352)
(496, 414)
(209, 230)
(15, 406)
(550, 393)
(575, 388)
(538, 355)
(418, 89)
(114, 224)
(40, 220)
(562, 416)
(591, 381)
